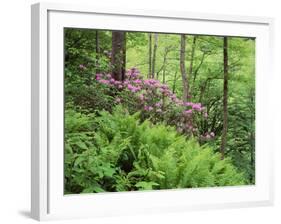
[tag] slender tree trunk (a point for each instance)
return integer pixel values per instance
(191, 64)
(198, 68)
(164, 65)
(225, 95)
(252, 140)
(182, 68)
(252, 160)
(154, 55)
(164, 74)
(174, 82)
(192, 56)
(149, 54)
(118, 55)
(97, 52)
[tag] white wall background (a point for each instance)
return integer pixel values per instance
(15, 110)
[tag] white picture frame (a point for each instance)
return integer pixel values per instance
(47, 198)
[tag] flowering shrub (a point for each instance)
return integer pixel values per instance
(156, 102)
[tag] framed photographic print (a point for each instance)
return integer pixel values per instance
(148, 111)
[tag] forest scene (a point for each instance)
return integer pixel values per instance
(153, 111)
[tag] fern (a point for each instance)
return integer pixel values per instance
(115, 152)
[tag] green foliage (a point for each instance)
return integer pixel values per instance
(118, 153)
(109, 149)
(92, 97)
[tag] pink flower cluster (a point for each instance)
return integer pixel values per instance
(132, 73)
(82, 67)
(132, 83)
(156, 100)
(208, 136)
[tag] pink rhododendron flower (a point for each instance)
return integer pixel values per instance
(196, 106)
(133, 88)
(130, 86)
(187, 112)
(158, 104)
(98, 76)
(164, 86)
(173, 96)
(153, 93)
(141, 97)
(137, 81)
(103, 81)
(187, 104)
(148, 108)
(205, 115)
(83, 67)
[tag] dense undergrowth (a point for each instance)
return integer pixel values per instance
(116, 152)
(138, 130)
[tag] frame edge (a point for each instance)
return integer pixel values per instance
(35, 177)
(39, 190)
(68, 7)
(39, 169)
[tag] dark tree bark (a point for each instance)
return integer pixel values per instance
(164, 74)
(192, 56)
(190, 72)
(97, 52)
(225, 95)
(252, 138)
(163, 67)
(149, 54)
(183, 71)
(118, 55)
(174, 82)
(154, 55)
(198, 68)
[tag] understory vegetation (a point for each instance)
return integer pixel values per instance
(147, 111)
(117, 152)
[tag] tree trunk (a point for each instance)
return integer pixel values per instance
(225, 95)
(118, 55)
(191, 63)
(182, 68)
(163, 66)
(174, 82)
(252, 139)
(97, 52)
(154, 55)
(192, 56)
(149, 54)
(198, 68)
(164, 74)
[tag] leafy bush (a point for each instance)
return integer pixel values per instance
(116, 152)
(156, 102)
(92, 97)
